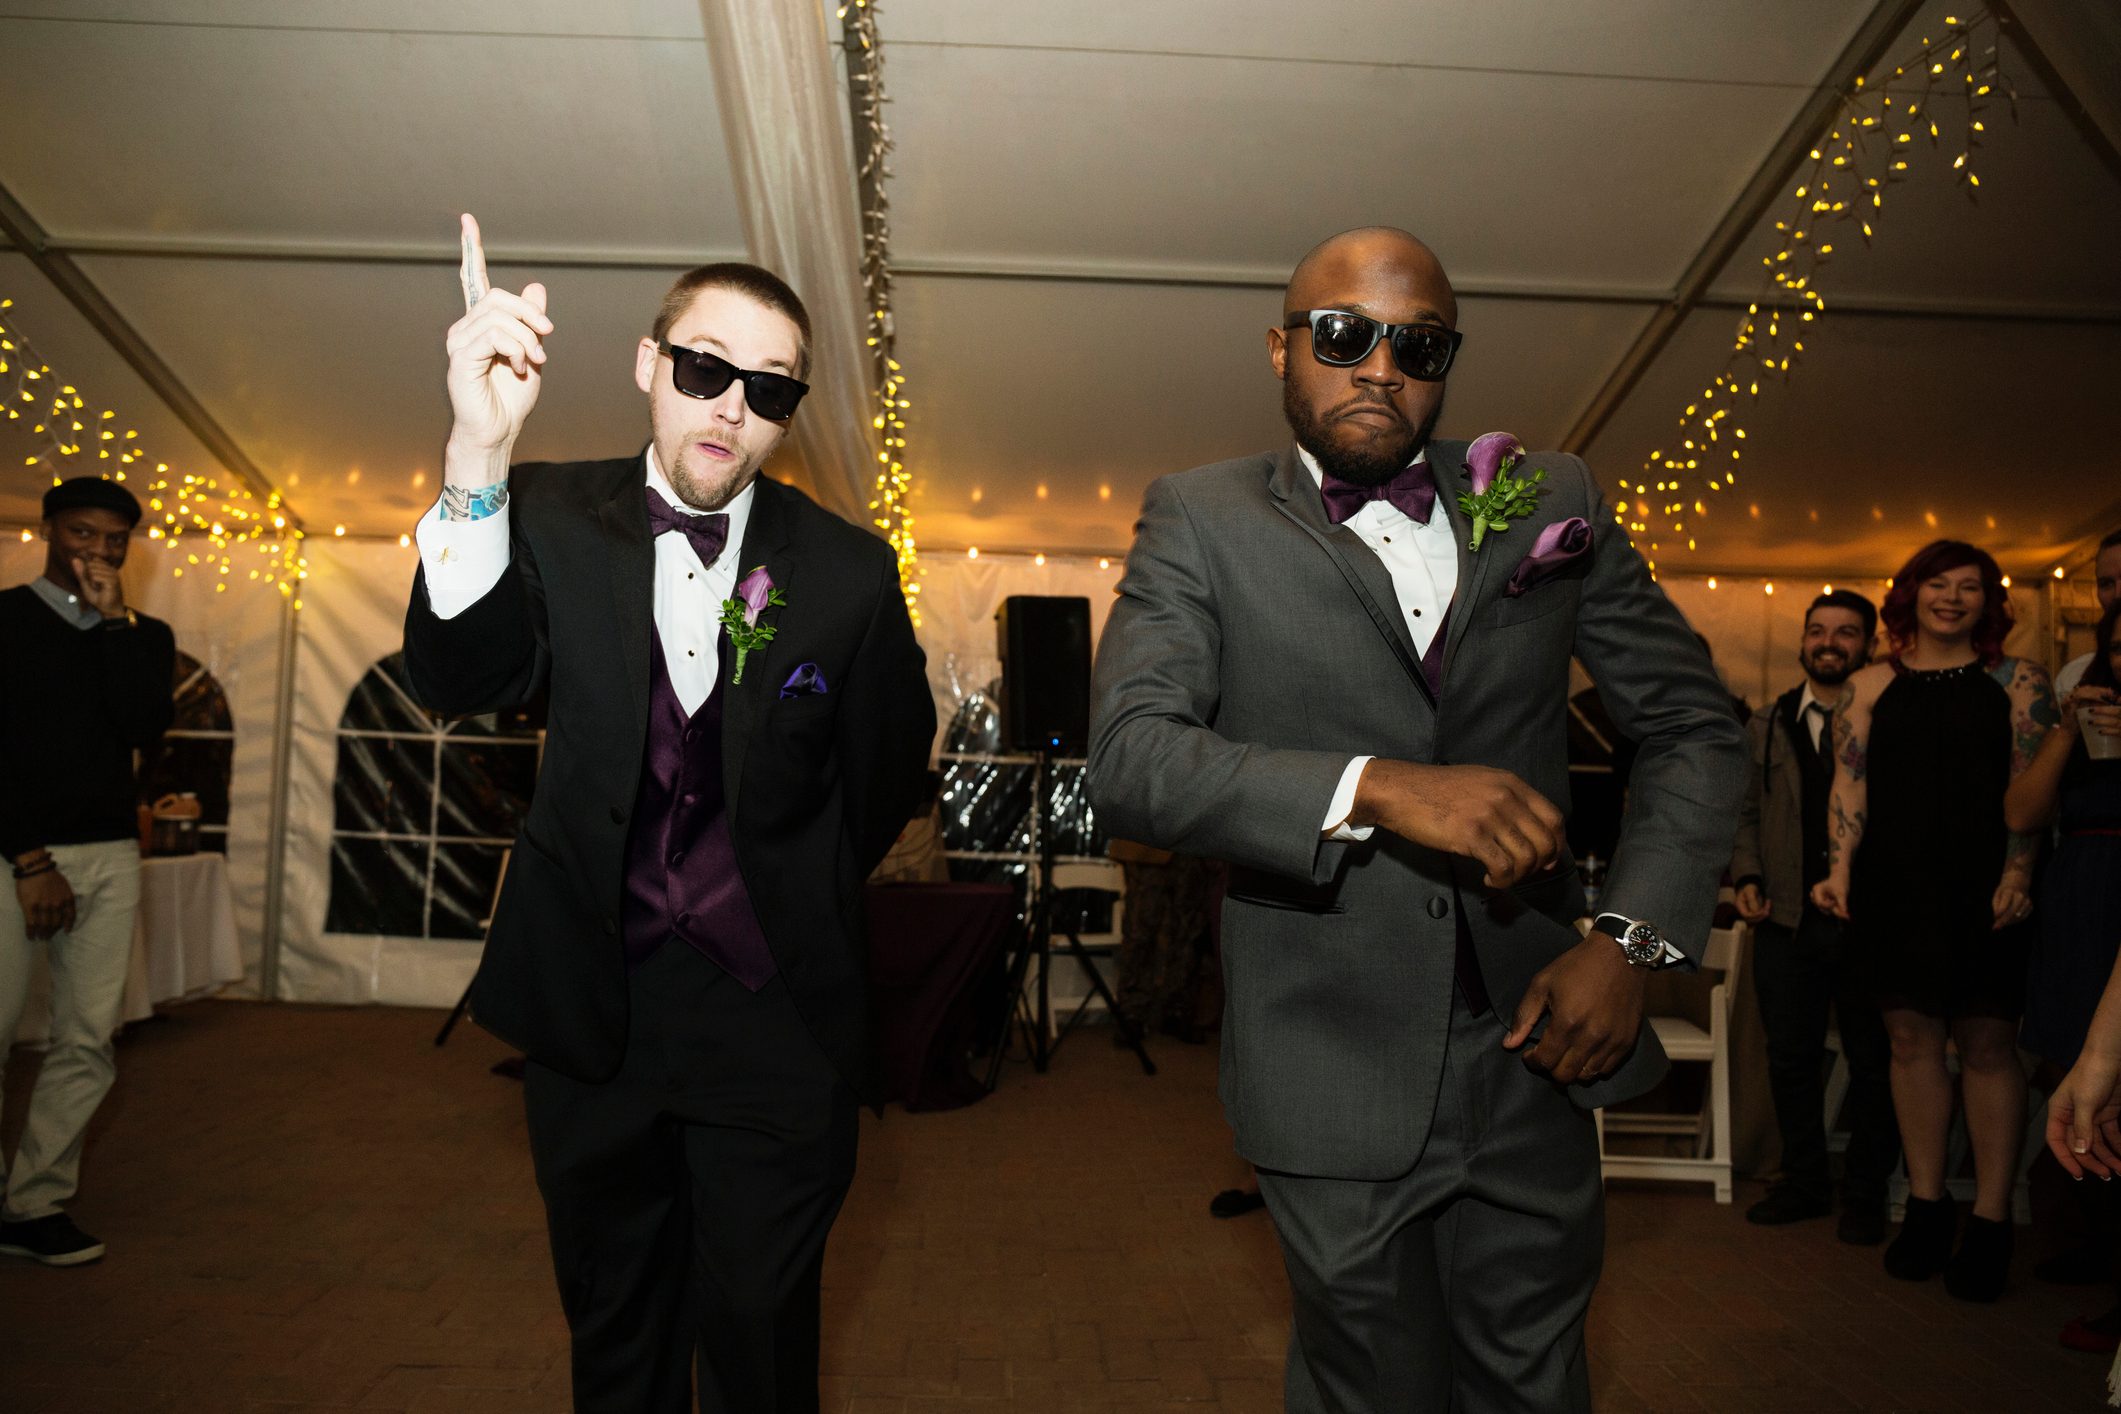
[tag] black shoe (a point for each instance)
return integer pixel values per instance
(1235, 1203)
(1787, 1204)
(1862, 1222)
(2082, 1267)
(1925, 1241)
(1984, 1261)
(53, 1240)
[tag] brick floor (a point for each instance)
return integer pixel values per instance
(310, 1208)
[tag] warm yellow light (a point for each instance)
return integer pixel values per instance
(972, 553)
(2058, 572)
(1768, 588)
(1712, 581)
(338, 530)
(1039, 559)
(404, 542)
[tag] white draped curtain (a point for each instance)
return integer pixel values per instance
(784, 117)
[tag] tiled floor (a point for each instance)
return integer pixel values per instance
(311, 1208)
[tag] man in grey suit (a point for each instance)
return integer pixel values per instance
(1311, 674)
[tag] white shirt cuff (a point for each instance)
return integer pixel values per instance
(464, 558)
(1336, 826)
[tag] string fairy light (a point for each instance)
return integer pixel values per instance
(212, 519)
(1867, 148)
(888, 507)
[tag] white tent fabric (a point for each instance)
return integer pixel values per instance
(353, 615)
(783, 119)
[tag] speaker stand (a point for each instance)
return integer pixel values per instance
(1035, 1014)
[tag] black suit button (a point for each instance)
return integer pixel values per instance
(1438, 908)
(618, 816)
(677, 857)
(610, 927)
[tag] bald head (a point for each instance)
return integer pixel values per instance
(1359, 267)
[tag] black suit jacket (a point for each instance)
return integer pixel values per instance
(818, 785)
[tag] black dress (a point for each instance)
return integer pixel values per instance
(1923, 883)
(2080, 911)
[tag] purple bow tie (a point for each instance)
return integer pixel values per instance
(1413, 491)
(708, 533)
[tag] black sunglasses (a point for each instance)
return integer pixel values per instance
(698, 374)
(1422, 351)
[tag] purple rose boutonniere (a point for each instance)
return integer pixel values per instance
(1496, 497)
(740, 616)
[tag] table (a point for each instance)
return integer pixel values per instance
(929, 944)
(184, 942)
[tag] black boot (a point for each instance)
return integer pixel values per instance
(1925, 1241)
(1983, 1263)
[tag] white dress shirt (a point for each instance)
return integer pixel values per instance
(1422, 558)
(1814, 722)
(466, 558)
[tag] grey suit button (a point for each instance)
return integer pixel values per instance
(1438, 908)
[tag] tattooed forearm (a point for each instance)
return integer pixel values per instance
(2019, 851)
(1846, 832)
(1848, 747)
(2034, 714)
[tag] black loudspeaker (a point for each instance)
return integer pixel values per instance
(1045, 650)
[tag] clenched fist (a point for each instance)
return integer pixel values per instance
(1476, 811)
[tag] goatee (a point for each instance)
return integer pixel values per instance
(1370, 461)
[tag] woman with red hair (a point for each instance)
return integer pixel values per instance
(1937, 889)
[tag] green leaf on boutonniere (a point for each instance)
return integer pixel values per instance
(1497, 498)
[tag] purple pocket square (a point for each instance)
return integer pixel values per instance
(805, 681)
(1560, 545)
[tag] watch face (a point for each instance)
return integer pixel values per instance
(1642, 944)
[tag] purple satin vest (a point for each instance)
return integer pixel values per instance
(681, 871)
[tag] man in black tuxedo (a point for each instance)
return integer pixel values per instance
(739, 724)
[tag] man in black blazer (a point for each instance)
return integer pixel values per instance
(739, 722)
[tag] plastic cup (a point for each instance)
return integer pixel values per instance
(2101, 746)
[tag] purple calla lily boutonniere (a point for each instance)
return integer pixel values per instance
(740, 616)
(1496, 497)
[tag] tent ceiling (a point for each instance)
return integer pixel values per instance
(1170, 160)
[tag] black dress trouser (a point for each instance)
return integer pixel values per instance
(1801, 975)
(689, 1197)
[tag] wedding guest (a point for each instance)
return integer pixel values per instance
(92, 686)
(1936, 889)
(1798, 963)
(2079, 935)
(2106, 569)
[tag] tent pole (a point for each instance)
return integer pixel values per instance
(1884, 24)
(86, 296)
(276, 815)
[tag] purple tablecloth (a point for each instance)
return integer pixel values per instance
(928, 944)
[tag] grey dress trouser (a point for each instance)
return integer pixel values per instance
(1463, 1284)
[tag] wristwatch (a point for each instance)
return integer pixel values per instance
(1640, 942)
(123, 619)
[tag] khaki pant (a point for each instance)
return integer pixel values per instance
(88, 965)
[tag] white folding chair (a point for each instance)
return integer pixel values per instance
(1686, 1043)
(1084, 881)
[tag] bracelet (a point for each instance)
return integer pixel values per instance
(47, 866)
(469, 503)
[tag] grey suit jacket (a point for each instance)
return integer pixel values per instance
(1254, 649)
(1770, 845)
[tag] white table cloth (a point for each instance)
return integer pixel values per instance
(184, 942)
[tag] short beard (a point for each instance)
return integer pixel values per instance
(700, 496)
(1832, 677)
(1372, 463)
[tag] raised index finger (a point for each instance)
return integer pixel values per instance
(472, 272)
